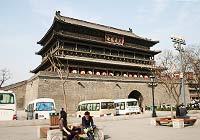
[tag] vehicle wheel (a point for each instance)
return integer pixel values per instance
(98, 134)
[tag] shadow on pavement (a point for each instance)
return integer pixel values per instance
(106, 137)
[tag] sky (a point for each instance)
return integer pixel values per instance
(24, 22)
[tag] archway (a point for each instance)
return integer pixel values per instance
(136, 95)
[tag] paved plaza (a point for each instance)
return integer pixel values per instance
(140, 129)
(120, 128)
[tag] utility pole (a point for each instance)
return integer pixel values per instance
(178, 41)
(153, 84)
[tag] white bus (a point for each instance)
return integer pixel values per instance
(97, 108)
(40, 108)
(7, 105)
(126, 106)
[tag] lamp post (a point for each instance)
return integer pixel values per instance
(153, 84)
(178, 41)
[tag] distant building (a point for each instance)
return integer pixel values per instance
(194, 86)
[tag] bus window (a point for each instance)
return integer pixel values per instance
(83, 107)
(6, 98)
(98, 107)
(28, 108)
(31, 107)
(117, 105)
(107, 105)
(44, 106)
(93, 106)
(133, 103)
(122, 106)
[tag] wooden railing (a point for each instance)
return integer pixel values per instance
(63, 52)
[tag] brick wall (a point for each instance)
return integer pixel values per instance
(85, 87)
(79, 88)
(20, 90)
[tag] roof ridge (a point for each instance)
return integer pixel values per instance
(58, 16)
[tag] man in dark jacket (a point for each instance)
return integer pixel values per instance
(183, 111)
(87, 120)
(88, 124)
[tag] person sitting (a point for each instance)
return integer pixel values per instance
(68, 132)
(178, 111)
(183, 112)
(88, 124)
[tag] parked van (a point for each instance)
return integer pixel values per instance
(126, 106)
(97, 108)
(40, 108)
(8, 105)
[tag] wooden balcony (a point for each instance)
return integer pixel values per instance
(111, 58)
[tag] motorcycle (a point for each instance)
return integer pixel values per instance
(90, 132)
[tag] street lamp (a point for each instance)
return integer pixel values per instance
(153, 84)
(178, 41)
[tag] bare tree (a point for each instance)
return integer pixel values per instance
(192, 58)
(166, 71)
(4, 76)
(58, 66)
